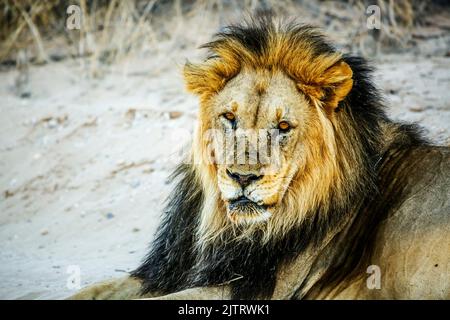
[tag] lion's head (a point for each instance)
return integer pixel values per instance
(276, 140)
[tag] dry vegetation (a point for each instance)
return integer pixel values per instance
(113, 30)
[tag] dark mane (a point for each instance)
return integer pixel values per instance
(174, 263)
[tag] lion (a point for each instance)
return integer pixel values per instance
(355, 206)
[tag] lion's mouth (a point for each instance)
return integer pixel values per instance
(243, 209)
(241, 201)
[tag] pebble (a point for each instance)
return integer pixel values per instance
(175, 114)
(25, 95)
(8, 194)
(109, 215)
(44, 232)
(416, 108)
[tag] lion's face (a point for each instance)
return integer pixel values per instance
(259, 121)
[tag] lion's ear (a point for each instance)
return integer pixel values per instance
(195, 79)
(332, 86)
(206, 78)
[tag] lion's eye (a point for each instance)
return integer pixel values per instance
(284, 126)
(229, 116)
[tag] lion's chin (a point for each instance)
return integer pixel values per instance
(244, 211)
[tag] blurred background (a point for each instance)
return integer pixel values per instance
(94, 116)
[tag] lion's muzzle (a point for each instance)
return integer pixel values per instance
(243, 179)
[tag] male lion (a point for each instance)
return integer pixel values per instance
(353, 192)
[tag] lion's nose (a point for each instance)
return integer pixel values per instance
(243, 179)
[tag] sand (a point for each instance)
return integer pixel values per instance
(84, 162)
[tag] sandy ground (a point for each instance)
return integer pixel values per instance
(84, 162)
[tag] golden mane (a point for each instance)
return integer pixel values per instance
(335, 166)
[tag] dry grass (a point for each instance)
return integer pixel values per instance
(116, 30)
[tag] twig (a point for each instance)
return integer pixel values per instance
(42, 56)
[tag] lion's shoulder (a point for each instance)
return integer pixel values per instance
(415, 237)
